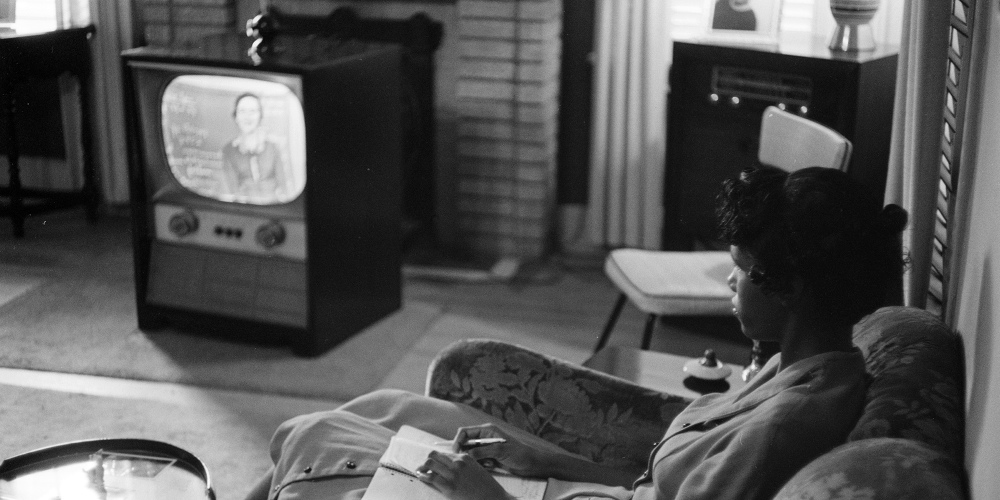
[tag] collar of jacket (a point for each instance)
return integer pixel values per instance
(812, 372)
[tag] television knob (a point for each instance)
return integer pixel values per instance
(183, 223)
(271, 234)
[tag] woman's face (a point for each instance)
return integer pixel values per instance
(247, 114)
(761, 315)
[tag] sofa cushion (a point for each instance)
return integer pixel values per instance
(917, 374)
(875, 469)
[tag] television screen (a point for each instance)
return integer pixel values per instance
(235, 139)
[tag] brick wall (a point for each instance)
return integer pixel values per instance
(170, 21)
(506, 96)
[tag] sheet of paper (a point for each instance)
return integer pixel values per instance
(408, 450)
(407, 455)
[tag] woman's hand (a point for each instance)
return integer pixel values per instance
(460, 477)
(512, 455)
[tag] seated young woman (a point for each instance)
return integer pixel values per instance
(813, 252)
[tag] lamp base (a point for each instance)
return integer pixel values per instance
(852, 38)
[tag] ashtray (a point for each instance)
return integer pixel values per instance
(707, 367)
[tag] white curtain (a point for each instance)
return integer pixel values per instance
(916, 136)
(628, 142)
(112, 19)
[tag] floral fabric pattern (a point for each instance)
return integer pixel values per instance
(917, 393)
(601, 417)
(875, 469)
(908, 442)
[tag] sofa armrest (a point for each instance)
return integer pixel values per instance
(879, 468)
(604, 418)
(917, 389)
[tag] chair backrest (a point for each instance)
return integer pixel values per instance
(792, 142)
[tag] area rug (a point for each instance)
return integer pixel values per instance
(78, 316)
(89, 327)
(15, 282)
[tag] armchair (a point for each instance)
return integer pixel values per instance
(908, 443)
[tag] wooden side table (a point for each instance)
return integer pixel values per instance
(24, 57)
(659, 370)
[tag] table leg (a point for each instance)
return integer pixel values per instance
(14, 184)
(89, 188)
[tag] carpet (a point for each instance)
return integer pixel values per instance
(230, 437)
(14, 284)
(71, 308)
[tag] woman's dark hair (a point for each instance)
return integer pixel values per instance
(240, 97)
(820, 225)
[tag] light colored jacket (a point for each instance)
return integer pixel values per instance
(746, 445)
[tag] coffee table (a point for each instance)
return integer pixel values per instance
(659, 370)
(106, 468)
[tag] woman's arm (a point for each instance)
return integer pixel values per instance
(523, 460)
(570, 468)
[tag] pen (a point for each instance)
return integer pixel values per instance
(472, 443)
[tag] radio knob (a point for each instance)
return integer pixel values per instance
(271, 234)
(183, 223)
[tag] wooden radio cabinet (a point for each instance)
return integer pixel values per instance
(717, 97)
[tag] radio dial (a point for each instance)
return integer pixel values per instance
(183, 223)
(271, 234)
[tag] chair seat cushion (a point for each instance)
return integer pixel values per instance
(673, 283)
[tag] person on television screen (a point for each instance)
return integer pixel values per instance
(813, 252)
(252, 162)
(734, 15)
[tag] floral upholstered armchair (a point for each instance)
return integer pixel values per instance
(908, 442)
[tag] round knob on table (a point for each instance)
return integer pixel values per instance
(183, 223)
(707, 367)
(709, 359)
(271, 234)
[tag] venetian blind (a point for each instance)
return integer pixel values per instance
(956, 87)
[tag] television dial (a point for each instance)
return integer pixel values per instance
(271, 234)
(183, 223)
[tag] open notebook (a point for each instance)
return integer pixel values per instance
(396, 479)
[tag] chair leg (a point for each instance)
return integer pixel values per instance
(603, 339)
(647, 334)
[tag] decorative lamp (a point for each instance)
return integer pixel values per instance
(853, 33)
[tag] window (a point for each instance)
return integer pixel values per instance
(798, 17)
(956, 87)
(33, 16)
(689, 17)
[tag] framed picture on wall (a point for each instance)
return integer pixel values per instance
(743, 21)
